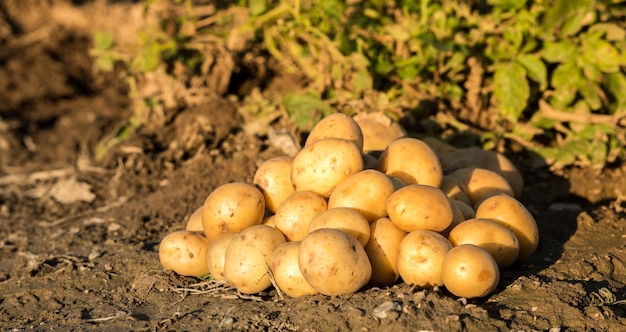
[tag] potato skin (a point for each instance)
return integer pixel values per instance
(491, 160)
(216, 255)
(420, 258)
(378, 130)
(337, 125)
(322, 165)
(509, 212)
(366, 191)
(497, 239)
(470, 271)
(286, 271)
(294, 216)
(412, 161)
(231, 208)
(273, 177)
(481, 183)
(333, 262)
(418, 206)
(382, 250)
(184, 252)
(194, 223)
(247, 257)
(344, 219)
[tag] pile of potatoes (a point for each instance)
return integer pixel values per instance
(361, 203)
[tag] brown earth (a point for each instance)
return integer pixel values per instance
(79, 238)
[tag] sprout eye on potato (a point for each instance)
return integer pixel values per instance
(357, 206)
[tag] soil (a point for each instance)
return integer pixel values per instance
(79, 237)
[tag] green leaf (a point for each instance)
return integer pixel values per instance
(565, 74)
(603, 54)
(506, 5)
(305, 109)
(616, 85)
(591, 92)
(535, 69)
(105, 63)
(572, 25)
(103, 41)
(257, 7)
(611, 31)
(562, 10)
(511, 90)
(560, 51)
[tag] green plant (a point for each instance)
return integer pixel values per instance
(548, 75)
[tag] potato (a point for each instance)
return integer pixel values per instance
(470, 271)
(269, 220)
(497, 239)
(322, 165)
(437, 145)
(333, 262)
(344, 219)
(491, 160)
(509, 212)
(419, 206)
(184, 252)
(382, 250)
(194, 223)
(420, 258)
(293, 217)
(231, 208)
(273, 177)
(216, 255)
(286, 271)
(378, 130)
(366, 192)
(337, 125)
(247, 258)
(412, 161)
(454, 189)
(457, 218)
(481, 183)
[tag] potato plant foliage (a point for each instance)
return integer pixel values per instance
(546, 75)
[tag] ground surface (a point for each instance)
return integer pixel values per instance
(79, 238)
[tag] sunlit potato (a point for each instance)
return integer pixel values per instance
(286, 271)
(294, 216)
(378, 130)
(511, 213)
(344, 219)
(247, 257)
(337, 125)
(231, 208)
(273, 177)
(366, 192)
(481, 183)
(420, 258)
(382, 250)
(416, 206)
(184, 252)
(412, 161)
(323, 164)
(470, 271)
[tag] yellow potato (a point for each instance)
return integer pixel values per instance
(470, 271)
(247, 258)
(216, 255)
(481, 183)
(491, 160)
(378, 130)
(418, 206)
(184, 252)
(382, 250)
(366, 192)
(420, 258)
(286, 271)
(454, 189)
(333, 262)
(322, 165)
(497, 239)
(412, 161)
(273, 177)
(457, 218)
(337, 125)
(509, 212)
(194, 223)
(293, 217)
(344, 219)
(269, 220)
(232, 208)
